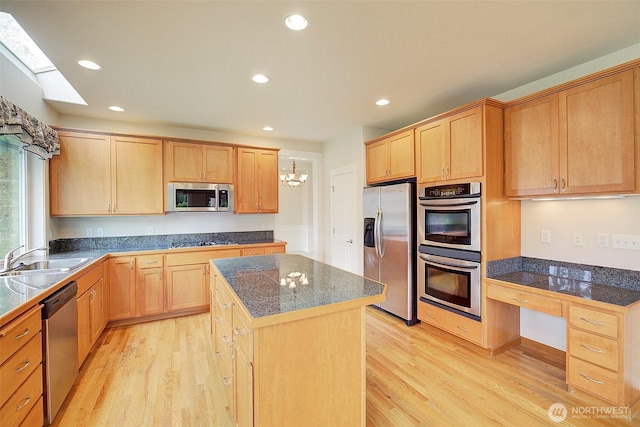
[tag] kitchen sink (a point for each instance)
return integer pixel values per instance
(35, 272)
(52, 264)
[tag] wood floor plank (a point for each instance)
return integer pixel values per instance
(163, 373)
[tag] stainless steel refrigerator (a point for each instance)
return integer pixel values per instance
(389, 245)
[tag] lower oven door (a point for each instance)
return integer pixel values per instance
(452, 282)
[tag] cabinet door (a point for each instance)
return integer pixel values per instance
(218, 161)
(244, 390)
(597, 136)
(187, 287)
(401, 156)
(98, 321)
(150, 291)
(464, 136)
(431, 151)
(80, 177)
(122, 291)
(186, 162)
(84, 326)
(268, 181)
(246, 197)
(531, 148)
(377, 161)
(137, 183)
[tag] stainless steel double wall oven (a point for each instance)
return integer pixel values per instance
(449, 251)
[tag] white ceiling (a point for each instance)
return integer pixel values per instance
(189, 63)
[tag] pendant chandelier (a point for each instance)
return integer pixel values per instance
(293, 179)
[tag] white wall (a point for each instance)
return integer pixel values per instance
(295, 219)
(562, 218)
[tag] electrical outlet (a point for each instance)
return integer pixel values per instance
(88, 232)
(99, 232)
(545, 236)
(577, 239)
(150, 229)
(602, 240)
(626, 241)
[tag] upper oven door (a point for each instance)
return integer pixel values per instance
(450, 223)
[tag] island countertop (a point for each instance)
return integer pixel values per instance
(280, 284)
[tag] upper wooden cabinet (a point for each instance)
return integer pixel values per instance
(257, 181)
(98, 174)
(576, 141)
(451, 148)
(191, 162)
(391, 158)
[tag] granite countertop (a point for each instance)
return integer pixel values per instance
(264, 283)
(17, 291)
(609, 285)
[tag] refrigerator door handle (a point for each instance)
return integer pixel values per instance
(378, 235)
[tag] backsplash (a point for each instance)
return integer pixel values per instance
(159, 241)
(629, 279)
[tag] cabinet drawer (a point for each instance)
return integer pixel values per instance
(594, 321)
(23, 400)
(36, 416)
(223, 338)
(89, 279)
(19, 332)
(242, 335)
(593, 379)
(19, 366)
(200, 256)
(150, 261)
(252, 251)
(453, 323)
(594, 348)
(525, 299)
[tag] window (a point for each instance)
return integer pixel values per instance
(12, 193)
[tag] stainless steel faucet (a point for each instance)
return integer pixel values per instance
(10, 260)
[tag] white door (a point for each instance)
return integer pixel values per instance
(345, 197)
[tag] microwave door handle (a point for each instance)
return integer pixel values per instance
(428, 205)
(446, 264)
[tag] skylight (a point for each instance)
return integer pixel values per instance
(21, 45)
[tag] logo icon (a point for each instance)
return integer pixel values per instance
(557, 412)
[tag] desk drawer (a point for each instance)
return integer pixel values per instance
(525, 299)
(593, 379)
(18, 332)
(594, 321)
(594, 348)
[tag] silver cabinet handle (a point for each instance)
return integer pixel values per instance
(226, 339)
(524, 301)
(23, 367)
(555, 184)
(23, 404)
(22, 335)
(595, 350)
(463, 329)
(587, 377)
(563, 184)
(227, 380)
(237, 331)
(593, 322)
(155, 261)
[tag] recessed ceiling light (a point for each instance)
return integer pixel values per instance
(296, 22)
(267, 129)
(116, 108)
(89, 64)
(382, 102)
(260, 78)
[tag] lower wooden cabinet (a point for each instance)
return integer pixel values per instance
(91, 310)
(469, 329)
(150, 284)
(122, 291)
(21, 382)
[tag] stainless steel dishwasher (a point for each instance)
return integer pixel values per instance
(60, 347)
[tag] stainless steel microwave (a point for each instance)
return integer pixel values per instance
(199, 197)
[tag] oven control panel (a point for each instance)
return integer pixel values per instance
(470, 189)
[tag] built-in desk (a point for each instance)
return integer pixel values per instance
(603, 342)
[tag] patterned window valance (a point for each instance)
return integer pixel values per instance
(36, 137)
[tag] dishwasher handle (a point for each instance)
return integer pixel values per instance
(58, 299)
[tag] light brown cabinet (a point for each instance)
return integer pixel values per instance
(21, 370)
(122, 290)
(576, 141)
(197, 162)
(124, 173)
(468, 329)
(451, 148)
(257, 181)
(150, 289)
(91, 310)
(391, 158)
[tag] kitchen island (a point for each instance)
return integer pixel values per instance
(289, 338)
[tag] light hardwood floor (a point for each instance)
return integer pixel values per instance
(163, 374)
